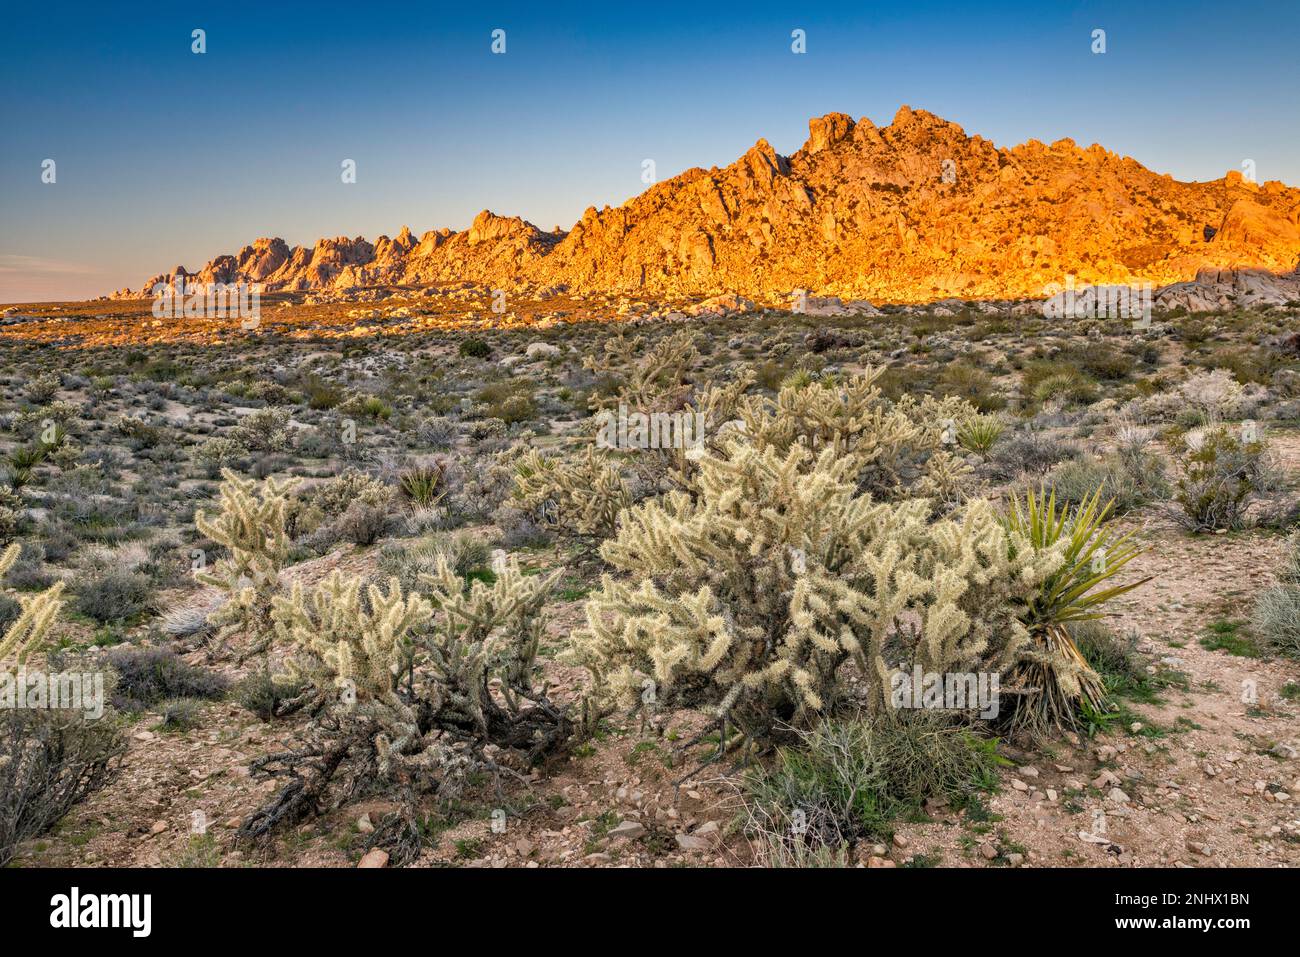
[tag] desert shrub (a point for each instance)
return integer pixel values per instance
(263, 430)
(146, 676)
(1032, 451)
(770, 375)
(508, 401)
(972, 384)
(1275, 617)
(188, 619)
(362, 524)
(473, 347)
(437, 432)
(403, 693)
(407, 561)
(217, 453)
(844, 782)
(178, 714)
(1114, 657)
(114, 594)
(262, 695)
(335, 496)
(520, 529)
(321, 395)
(1220, 474)
(1077, 481)
(49, 760)
(1101, 360)
(1143, 468)
(514, 408)
(1070, 386)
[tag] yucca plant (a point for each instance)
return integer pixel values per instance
(1055, 681)
(26, 457)
(423, 484)
(799, 379)
(980, 433)
(52, 440)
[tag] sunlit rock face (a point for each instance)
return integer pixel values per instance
(910, 212)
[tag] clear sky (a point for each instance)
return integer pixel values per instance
(164, 157)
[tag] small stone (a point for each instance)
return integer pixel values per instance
(158, 827)
(375, 858)
(1105, 780)
(1117, 796)
(900, 841)
(365, 825)
(689, 842)
(880, 862)
(1015, 860)
(627, 831)
(988, 851)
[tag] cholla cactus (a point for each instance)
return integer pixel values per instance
(251, 526)
(30, 629)
(411, 693)
(749, 595)
(490, 632)
(339, 643)
(582, 496)
(651, 376)
(359, 656)
(891, 445)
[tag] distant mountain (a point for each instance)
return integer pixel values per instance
(912, 212)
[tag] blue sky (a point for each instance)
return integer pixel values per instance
(165, 157)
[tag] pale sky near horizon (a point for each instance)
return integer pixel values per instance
(165, 157)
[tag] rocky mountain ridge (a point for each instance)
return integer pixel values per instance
(915, 211)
